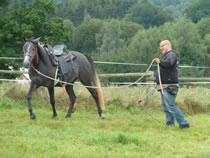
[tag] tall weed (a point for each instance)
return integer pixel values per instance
(191, 100)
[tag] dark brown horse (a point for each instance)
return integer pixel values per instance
(39, 62)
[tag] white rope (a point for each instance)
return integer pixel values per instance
(128, 83)
(161, 87)
(118, 63)
(118, 83)
(121, 83)
(67, 83)
(158, 69)
(194, 83)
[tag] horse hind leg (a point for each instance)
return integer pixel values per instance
(72, 98)
(33, 87)
(52, 100)
(85, 79)
(95, 96)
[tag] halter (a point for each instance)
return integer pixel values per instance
(35, 55)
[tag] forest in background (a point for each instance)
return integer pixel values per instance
(110, 30)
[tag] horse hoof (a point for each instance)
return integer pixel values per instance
(33, 116)
(68, 116)
(54, 115)
(102, 116)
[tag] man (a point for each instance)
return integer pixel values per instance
(169, 80)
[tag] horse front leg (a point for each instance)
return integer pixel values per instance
(52, 100)
(33, 87)
(72, 97)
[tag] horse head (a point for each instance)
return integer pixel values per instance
(30, 51)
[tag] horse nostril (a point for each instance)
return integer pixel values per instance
(26, 65)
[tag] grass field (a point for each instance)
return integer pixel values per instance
(127, 132)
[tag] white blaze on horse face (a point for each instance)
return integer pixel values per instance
(26, 61)
(27, 55)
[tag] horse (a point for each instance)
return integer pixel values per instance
(42, 71)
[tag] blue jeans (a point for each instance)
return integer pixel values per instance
(171, 110)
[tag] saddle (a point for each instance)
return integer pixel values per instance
(59, 50)
(60, 57)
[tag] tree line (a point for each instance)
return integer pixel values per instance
(109, 30)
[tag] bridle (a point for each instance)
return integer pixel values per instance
(35, 55)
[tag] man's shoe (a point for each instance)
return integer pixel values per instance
(185, 126)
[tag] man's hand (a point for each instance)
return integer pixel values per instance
(155, 86)
(157, 60)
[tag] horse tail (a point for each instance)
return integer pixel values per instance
(96, 83)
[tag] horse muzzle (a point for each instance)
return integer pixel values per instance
(26, 65)
(26, 62)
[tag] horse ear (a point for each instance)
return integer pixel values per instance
(25, 39)
(37, 39)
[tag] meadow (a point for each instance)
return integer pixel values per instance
(130, 130)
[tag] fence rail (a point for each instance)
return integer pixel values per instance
(12, 72)
(149, 79)
(149, 76)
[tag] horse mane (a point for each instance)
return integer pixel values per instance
(41, 53)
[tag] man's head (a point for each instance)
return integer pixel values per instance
(165, 46)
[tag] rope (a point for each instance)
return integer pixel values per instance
(118, 83)
(118, 63)
(161, 87)
(140, 100)
(67, 83)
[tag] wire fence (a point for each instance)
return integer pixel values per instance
(189, 81)
(117, 63)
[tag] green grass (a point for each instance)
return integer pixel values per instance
(121, 134)
(129, 130)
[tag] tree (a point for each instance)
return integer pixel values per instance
(100, 9)
(68, 35)
(184, 37)
(109, 37)
(84, 36)
(204, 26)
(144, 46)
(198, 10)
(129, 29)
(3, 3)
(187, 42)
(148, 15)
(175, 6)
(34, 20)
